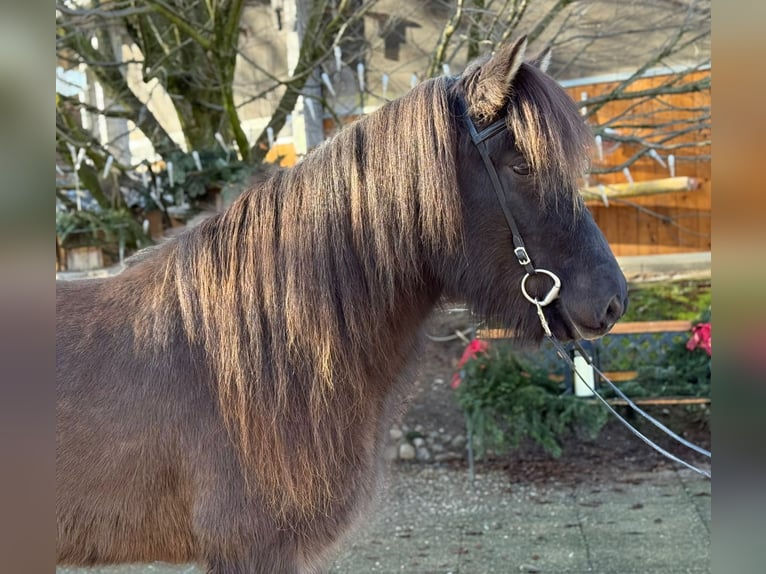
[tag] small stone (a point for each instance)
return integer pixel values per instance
(390, 453)
(436, 447)
(423, 454)
(458, 442)
(439, 381)
(418, 442)
(406, 451)
(419, 429)
(395, 433)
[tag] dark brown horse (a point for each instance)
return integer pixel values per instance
(224, 399)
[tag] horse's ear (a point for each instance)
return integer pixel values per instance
(543, 59)
(489, 95)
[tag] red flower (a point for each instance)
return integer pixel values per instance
(701, 338)
(471, 351)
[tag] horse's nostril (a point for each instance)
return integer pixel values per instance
(615, 309)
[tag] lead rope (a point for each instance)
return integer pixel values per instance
(638, 409)
(565, 356)
(562, 353)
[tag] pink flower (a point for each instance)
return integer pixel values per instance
(701, 338)
(473, 349)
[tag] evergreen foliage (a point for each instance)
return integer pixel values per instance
(506, 401)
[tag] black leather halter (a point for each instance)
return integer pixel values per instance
(479, 139)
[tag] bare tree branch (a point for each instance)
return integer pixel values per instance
(437, 59)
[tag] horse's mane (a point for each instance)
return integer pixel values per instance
(284, 290)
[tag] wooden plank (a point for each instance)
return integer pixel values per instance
(642, 188)
(667, 231)
(699, 205)
(648, 228)
(633, 327)
(495, 334)
(620, 214)
(629, 230)
(626, 328)
(658, 401)
(620, 376)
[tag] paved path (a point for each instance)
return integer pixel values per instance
(431, 520)
(434, 521)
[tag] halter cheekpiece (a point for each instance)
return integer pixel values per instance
(479, 139)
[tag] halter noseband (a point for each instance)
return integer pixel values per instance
(479, 139)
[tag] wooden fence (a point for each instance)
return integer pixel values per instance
(647, 224)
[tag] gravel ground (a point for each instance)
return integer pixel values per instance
(431, 519)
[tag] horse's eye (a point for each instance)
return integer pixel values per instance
(522, 168)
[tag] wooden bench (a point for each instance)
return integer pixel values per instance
(644, 339)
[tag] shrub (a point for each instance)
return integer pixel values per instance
(668, 300)
(685, 369)
(506, 401)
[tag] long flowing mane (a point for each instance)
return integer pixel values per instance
(286, 286)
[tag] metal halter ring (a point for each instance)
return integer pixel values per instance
(552, 294)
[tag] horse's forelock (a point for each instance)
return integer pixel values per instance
(549, 132)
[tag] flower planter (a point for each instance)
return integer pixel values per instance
(84, 258)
